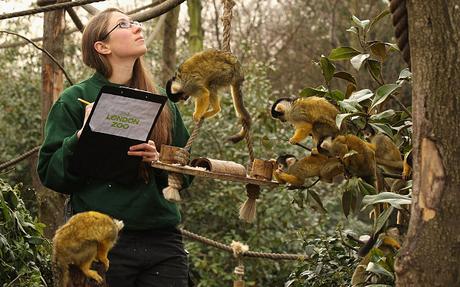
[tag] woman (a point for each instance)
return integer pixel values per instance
(149, 251)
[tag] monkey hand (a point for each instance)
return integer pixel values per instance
(105, 262)
(294, 140)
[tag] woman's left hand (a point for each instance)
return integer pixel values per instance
(147, 151)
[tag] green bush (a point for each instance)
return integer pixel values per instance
(24, 252)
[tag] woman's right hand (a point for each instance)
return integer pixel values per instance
(88, 109)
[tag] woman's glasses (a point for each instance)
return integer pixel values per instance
(123, 25)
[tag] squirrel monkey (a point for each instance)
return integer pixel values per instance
(201, 77)
(312, 115)
(313, 165)
(85, 237)
(356, 155)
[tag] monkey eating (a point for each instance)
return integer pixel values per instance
(87, 236)
(201, 77)
(296, 171)
(310, 116)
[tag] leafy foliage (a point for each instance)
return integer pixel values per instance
(24, 251)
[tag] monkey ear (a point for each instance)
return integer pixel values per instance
(173, 97)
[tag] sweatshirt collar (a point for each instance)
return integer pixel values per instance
(102, 81)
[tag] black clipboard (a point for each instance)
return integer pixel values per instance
(121, 117)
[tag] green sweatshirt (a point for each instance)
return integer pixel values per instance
(139, 205)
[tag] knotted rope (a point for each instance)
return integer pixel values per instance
(400, 22)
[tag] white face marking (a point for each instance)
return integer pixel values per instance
(175, 87)
(290, 161)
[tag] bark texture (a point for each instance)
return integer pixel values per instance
(431, 253)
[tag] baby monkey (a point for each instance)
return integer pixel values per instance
(87, 236)
(295, 171)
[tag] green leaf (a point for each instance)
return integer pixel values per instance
(382, 128)
(393, 47)
(365, 188)
(361, 95)
(353, 29)
(379, 17)
(394, 199)
(340, 117)
(336, 95)
(374, 68)
(343, 53)
(346, 202)
(405, 74)
(350, 105)
(316, 197)
(379, 50)
(308, 92)
(382, 93)
(350, 89)
(382, 219)
(379, 270)
(327, 68)
(358, 60)
(383, 115)
(345, 76)
(361, 23)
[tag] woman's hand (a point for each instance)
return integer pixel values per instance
(147, 151)
(88, 109)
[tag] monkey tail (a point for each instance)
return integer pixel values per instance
(241, 112)
(60, 273)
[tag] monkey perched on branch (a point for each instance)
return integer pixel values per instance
(310, 116)
(201, 77)
(87, 236)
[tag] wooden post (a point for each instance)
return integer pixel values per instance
(51, 204)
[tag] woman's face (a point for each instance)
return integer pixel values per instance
(125, 42)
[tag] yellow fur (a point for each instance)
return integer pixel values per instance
(86, 237)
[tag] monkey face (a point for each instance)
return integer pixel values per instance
(284, 161)
(174, 92)
(279, 108)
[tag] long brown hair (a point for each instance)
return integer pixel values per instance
(141, 78)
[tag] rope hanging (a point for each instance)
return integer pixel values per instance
(399, 16)
(171, 192)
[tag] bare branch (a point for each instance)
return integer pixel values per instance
(75, 19)
(157, 10)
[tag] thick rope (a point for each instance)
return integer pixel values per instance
(47, 8)
(400, 22)
(274, 256)
(227, 20)
(19, 158)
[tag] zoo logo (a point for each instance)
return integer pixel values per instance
(122, 121)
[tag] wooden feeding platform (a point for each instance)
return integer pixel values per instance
(190, 170)
(170, 156)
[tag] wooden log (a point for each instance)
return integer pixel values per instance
(262, 169)
(219, 166)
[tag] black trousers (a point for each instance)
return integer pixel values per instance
(153, 258)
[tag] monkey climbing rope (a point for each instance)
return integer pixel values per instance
(248, 209)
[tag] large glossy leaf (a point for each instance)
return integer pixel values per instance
(343, 53)
(308, 92)
(358, 60)
(350, 105)
(382, 93)
(361, 95)
(382, 128)
(345, 76)
(327, 68)
(379, 50)
(382, 219)
(374, 67)
(336, 95)
(316, 197)
(394, 199)
(340, 117)
(385, 115)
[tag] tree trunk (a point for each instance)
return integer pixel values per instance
(431, 252)
(195, 34)
(169, 44)
(50, 203)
